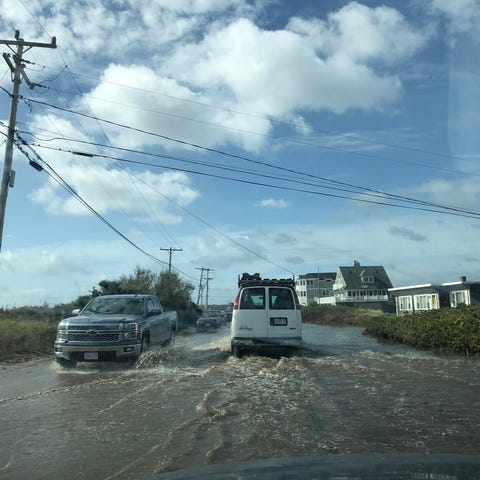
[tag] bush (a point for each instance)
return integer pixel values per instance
(25, 336)
(339, 315)
(455, 330)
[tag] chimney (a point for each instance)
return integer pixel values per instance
(356, 263)
(463, 278)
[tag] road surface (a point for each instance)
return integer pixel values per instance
(193, 404)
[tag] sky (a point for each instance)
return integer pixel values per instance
(261, 136)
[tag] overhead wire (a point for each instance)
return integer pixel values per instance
(312, 144)
(283, 121)
(356, 189)
(436, 208)
(62, 182)
(242, 157)
(156, 221)
(329, 133)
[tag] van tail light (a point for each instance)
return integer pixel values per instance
(235, 303)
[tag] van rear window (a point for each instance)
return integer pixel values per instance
(252, 298)
(280, 299)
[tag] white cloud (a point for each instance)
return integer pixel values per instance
(363, 34)
(278, 72)
(463, 16)
(209, 52)
(63, 271)
(110, 186)
(89, 30)
(176, 112)
(194, 6)
(312, 248)
(273, 203)
(463, 193)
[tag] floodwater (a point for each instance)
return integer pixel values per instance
(192, 404)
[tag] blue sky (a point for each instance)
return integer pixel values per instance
(221, 126)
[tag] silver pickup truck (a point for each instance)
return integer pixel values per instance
(113, 327)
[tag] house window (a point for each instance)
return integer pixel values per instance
(457, 298)
(405, 303)
(367, 280)
(423, 302)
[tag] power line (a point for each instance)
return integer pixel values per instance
(358, 189)
(261, 117)
(310, 143)
(65, 67)
(38, 164)
(274, 120)
(220, 152)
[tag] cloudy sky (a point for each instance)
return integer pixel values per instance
(256, 136)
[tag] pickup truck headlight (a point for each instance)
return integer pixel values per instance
(131, 331)
(62, 333)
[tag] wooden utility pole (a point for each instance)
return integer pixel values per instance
(203, 286)
(171, 250)
(17, 75)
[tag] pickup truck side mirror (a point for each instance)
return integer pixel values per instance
(156, 311)
(75, 311)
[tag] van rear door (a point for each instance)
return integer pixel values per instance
(283, 317)
(251, 318)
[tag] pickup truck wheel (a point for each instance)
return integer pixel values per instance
(145, 344)
(173, 334)
(63, 362)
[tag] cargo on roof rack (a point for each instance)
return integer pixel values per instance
(249, 280)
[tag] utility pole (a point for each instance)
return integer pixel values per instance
(200, 285)
(203, 286)
(17, 74)
(206, 288)
(170, 250)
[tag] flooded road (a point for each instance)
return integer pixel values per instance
(192, 404)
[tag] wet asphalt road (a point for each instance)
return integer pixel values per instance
(192, 404)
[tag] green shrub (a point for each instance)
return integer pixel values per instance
(339, 315)
(25, 336)
(455, 330)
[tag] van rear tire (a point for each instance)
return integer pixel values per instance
(237, 352)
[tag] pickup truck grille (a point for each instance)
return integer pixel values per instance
(93, 333)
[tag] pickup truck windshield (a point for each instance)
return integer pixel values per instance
(115, 306)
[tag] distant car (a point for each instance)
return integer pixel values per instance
(211, 319)
(266, 315)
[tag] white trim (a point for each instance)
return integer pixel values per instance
(411, 286)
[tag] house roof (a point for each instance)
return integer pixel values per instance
(432, 288)
(412, 287)
(353, 275)
(320, 275)
(416, 289)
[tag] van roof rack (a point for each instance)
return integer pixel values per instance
(255, 279)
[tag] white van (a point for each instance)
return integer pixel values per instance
(266, 314)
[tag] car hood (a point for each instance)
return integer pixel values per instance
(345, 467)
(94, 319)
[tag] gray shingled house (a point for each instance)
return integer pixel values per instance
(421, 298)
(363, 286)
